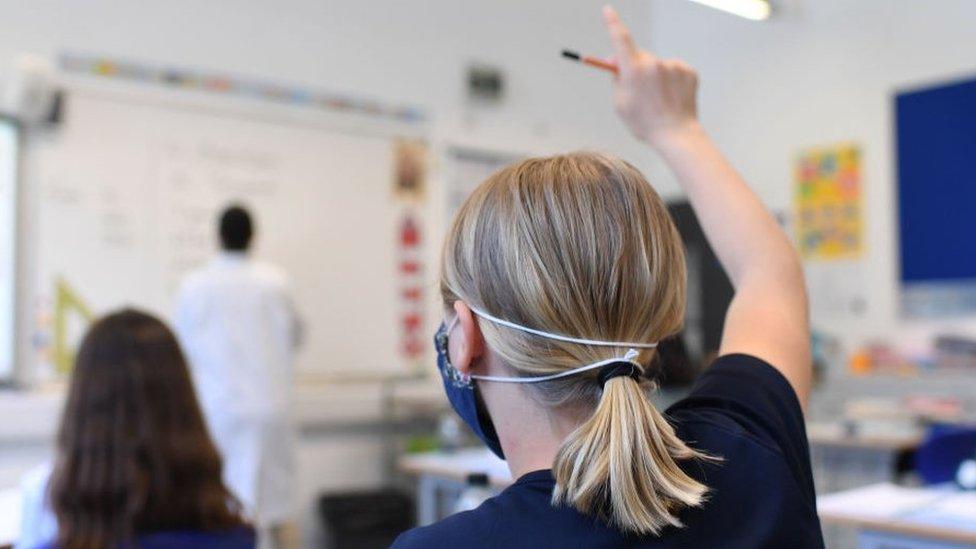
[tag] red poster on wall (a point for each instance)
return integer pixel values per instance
(411, 275)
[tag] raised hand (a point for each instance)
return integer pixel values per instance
(653, 96)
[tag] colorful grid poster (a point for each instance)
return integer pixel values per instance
(829, 221)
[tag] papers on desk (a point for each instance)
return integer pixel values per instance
(954, 511)
(877, 501)
(458, 465)
(942, 507)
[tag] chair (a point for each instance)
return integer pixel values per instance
(944, 449)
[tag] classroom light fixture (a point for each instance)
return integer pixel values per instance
(757, 10)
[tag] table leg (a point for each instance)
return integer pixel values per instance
(427, 500)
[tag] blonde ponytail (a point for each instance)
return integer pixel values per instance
(621, 463)
(580, 244)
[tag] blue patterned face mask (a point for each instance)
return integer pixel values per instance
(461, 391)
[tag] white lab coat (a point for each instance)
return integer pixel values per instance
(239, 329)
(37, 522)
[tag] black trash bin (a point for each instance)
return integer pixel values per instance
(366, 519)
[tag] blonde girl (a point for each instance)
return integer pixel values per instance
(559, 276)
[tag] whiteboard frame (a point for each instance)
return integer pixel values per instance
(12, 373)
(241, 107)
(237, 107)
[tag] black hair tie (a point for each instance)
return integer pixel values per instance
(618, 369)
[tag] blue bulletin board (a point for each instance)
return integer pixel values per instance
(936, 160)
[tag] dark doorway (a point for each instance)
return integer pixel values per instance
(709, 295)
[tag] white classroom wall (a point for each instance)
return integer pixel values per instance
(399, 52)
(822, 72)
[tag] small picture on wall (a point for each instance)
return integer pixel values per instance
(410, 165)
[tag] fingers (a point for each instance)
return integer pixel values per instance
(624, 48)
(679, 67)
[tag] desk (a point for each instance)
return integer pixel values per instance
(834, 434)
(443, 475)
(842, 460)
(887, 515)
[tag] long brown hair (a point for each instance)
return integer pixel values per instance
(133, 452)
(580, 244)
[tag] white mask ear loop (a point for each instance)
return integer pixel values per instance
(629, 357)
(452, 324)
(558, 337)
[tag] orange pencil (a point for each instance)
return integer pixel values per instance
(591, 61)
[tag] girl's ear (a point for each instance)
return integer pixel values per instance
(466, 344)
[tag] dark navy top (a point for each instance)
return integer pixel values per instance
(237, 538)
(760, 495)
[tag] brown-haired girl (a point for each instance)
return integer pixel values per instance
(135, 465)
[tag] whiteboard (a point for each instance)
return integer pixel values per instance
(130, 189)
(9, 174)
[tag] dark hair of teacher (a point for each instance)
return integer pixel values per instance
(236, 229)
(133, 453)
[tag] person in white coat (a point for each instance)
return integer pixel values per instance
(38, 524)
(240, 330)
